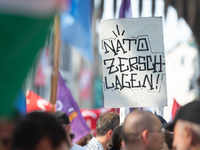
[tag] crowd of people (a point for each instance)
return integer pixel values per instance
(141, 130)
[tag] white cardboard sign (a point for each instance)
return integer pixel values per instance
(133, 60)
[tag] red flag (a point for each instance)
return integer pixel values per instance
(91, 116)
(175, 108)
(36, 103)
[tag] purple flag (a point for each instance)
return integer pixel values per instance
(66, 103)
(125, 9)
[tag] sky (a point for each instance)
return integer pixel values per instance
(175, 31)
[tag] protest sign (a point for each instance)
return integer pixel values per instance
(133, 60)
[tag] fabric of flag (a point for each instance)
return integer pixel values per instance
(66, 103)
(175, 108)
(75, 26)
(125, 9)
(20, 103)
(20, 40)
(36, 103)
(24, 26)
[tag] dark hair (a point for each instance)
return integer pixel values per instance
(35, 126)
(162, 120)
(107, 121)
(189, 112)
(169, 139)
(61, 117)
(116, 139)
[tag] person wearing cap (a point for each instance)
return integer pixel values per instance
(106, 123)
(142, 130)
(63, 119)
(186, 127)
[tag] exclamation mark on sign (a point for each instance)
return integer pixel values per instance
(157, 81)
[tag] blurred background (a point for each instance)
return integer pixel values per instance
(79, 55)
(80, 52)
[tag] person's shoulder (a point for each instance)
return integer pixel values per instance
(77, 147)
(94, 144)
(90, 145)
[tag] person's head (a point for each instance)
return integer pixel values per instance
(169, 140)
(144, 130)
(106, 123)
(117, 142)
(186, 126)
(63, 119)
(167, 144)
(38, 131)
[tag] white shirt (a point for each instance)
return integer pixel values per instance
(94, 144)
(77, 147)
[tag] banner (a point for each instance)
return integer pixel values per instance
(66, 103)
(133, 62)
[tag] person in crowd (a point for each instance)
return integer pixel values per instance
(117, 142)
(63, 119)
(186, 127)
(142, 131)
(85, 140)
(106, 123)
(167, 144)
(6, 130)
(162, 120)
(39, 131)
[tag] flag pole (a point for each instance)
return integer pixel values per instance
(56, 53)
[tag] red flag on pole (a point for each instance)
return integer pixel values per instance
(175, 108)
(36, 103)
